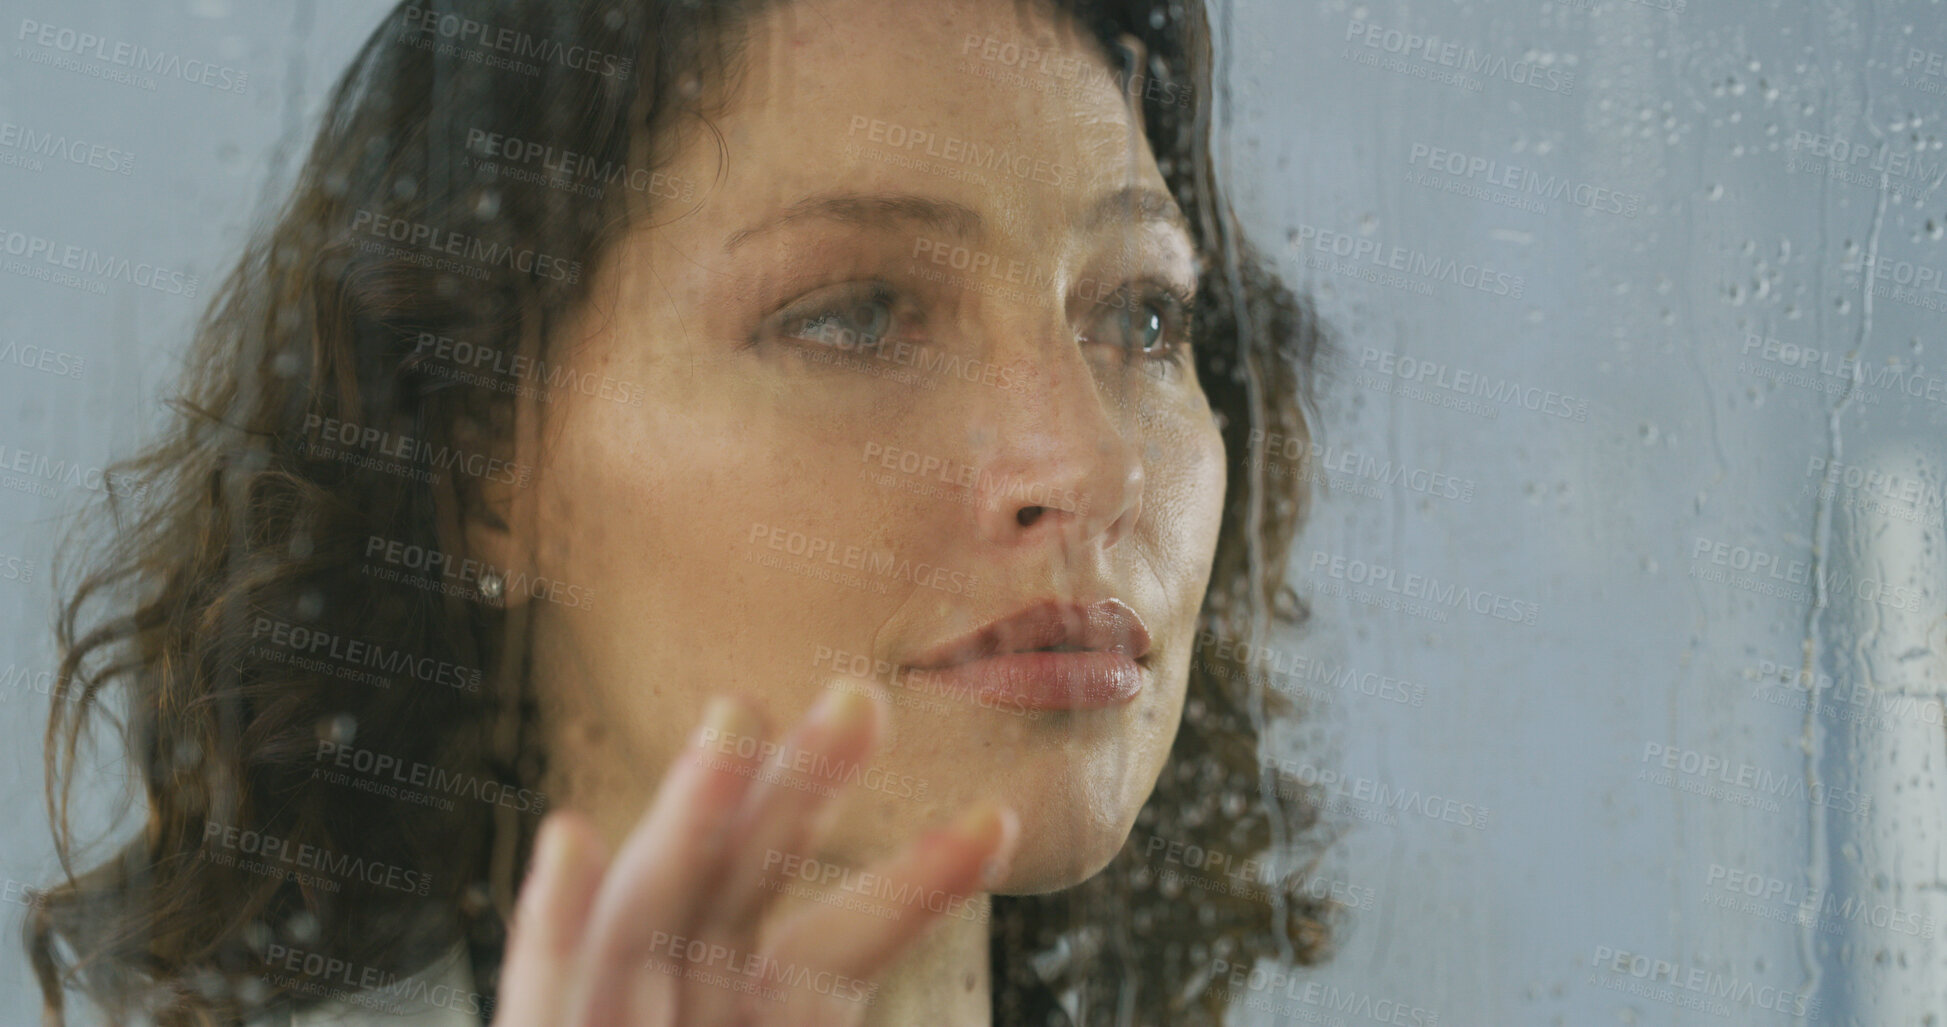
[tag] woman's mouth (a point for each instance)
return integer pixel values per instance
(1049, 655)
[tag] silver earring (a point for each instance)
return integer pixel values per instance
(492, 585)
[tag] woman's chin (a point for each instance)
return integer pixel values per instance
(1055, 853)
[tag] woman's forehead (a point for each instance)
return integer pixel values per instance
(921, 27)
(992, 108)
(1011, 64)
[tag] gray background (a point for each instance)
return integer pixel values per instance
(1716, 121)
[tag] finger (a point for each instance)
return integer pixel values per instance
(785, 812)
(935, 874)
(569, 860)
(665, 870)
(782, 808)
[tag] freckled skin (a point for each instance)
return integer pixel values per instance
(653, 507)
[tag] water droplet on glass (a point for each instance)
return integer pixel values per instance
(301, 926)
(338, 729)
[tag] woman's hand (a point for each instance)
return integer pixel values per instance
(678, 930)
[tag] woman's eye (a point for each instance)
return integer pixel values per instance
(849, 319)
(1147, 327)
(1146, 322)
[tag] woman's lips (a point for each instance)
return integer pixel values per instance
(1043, 680)
(1047, 656)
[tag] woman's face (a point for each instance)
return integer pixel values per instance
(910, 366)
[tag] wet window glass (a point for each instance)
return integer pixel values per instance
(964, 512)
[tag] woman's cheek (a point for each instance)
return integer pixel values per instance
(1183, 449)
(1186, 474)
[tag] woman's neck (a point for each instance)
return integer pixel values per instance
(942, 979)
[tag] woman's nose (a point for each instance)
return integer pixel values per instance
(1054, 457)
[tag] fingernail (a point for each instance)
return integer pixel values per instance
(551, 852)
(841, 709)
(547, 848)
(726, 717)
(993, 871)
(991, 824)
(980, 823)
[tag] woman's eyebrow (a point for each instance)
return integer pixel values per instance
(881, 210)
(1134, 204)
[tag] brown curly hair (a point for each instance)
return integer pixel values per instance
(253, 526)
